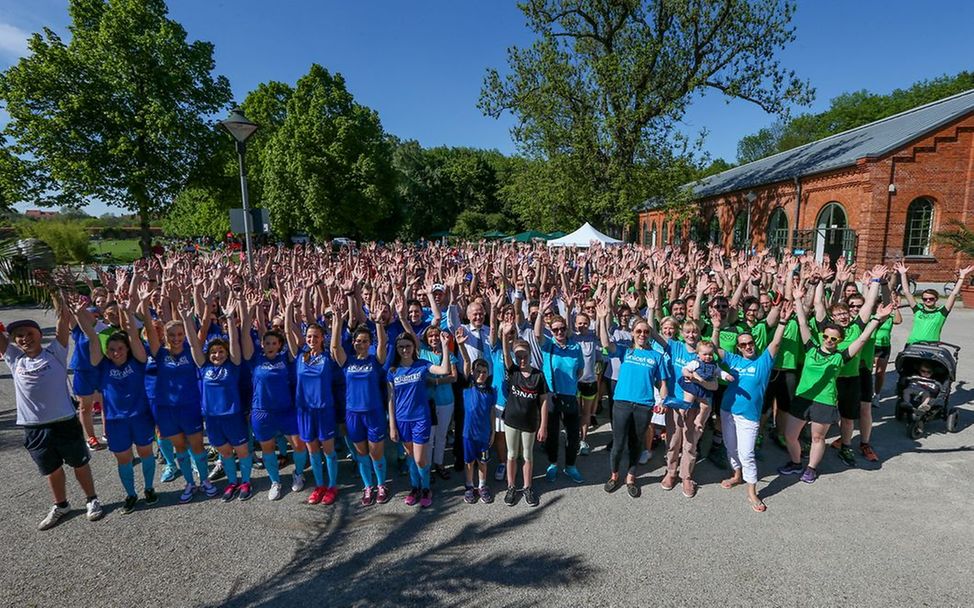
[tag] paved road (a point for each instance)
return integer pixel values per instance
(896, 534)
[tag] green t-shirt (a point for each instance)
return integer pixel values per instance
(927, 324)
(817, 382)
(883, 333)
(852, 332)
(105, 334)
(790, 352)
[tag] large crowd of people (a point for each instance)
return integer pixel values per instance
(485, 350)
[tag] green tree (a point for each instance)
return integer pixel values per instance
(119, 113)
(12, 182)
(197, 212)
(600, 90)
(67, 239)
(328, 168)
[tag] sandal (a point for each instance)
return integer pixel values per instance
(633, 490)
(95, 445)
(759, 506)
(612, 485)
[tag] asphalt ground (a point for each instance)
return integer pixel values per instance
(897, 533)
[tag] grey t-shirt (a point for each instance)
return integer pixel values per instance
(41, 384)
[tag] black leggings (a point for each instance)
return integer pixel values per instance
(565, 411)
(629, 423)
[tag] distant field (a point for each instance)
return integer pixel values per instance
(116, 251)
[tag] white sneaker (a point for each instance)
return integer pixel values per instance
(275, 492)
(53, 517)
(645, 456)
(584, 448)
(298, 484)
(501, 473)
(94, 510)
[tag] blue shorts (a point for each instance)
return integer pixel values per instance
(183, 419)
(316, 424)
(414, 431)
(122, 433)
(268, 425)
(227, 429)
(84, 383)
(369, 425)
(475, 451)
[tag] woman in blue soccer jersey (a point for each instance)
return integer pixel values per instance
(128, 419)
(365, 419)
(219, 372)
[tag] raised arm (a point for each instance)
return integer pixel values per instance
(135, 341)
(806, 333)
(380, 347)
(445, 368)
(195, 346)
(291, 328)
(901, 270)
(958, 284)
(246, 344)
(786, 311)
(63, 332)
(337, 352)
(882, 314)
(461, 337)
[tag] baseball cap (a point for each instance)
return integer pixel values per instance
(22, 323)
(438, 287)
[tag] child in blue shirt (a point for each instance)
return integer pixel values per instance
(479, 401)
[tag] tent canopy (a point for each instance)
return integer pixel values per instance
(493, 234)
(528, 236)
(583, 237)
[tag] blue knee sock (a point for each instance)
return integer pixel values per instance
(126, 472)
(149, 472)
(246, 465)
(201, 466)
(168, 452)
(316, 469)
(281, 445)
(331, 461)
(380, 470)
(185, 466)
(230, 468)
(424, 476)
(364, 469)
(270, 465)
(414, 480)
(300, 460)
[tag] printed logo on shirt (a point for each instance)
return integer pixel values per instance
(177, 362)
(268, 365)
(215, 374)
(360, 368)
(25, 372)
(517, 391)
(119, 374)
(407, 378)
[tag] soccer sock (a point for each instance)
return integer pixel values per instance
(364, 469)
(185, 466)
(126, 473)
(201, 466)
(424, 477)
(331, 461)
(230, 468)
(316, 469)
(270, 465)
(414, 480)
(300, 460)
(149, 472)
(168, 452)
(380, 470)
(246, 465)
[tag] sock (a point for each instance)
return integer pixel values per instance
(201, 466)
(168, 452)
(246, 465)
(331, 460)
(316, 469)
(281, 445)
(380, 470)
(149, 472)
(185, 466)
(62, 504)
(424, 477)
(414, 480)
(270, 465)
(230, 468)
(300, 460)
(91, 498)
(126, 472)
(364, 469)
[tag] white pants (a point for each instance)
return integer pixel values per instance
(444, 414)
(739, 437)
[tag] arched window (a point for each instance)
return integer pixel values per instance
(652, 235)
(677, 233)
(742, 240)
(698, 231)
(644, 241)
(833, 238)
(665, 240)
(777, 237)
(919, 223)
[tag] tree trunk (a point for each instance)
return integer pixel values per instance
(145, 238)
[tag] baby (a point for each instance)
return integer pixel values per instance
(922, 389)
(698, 371)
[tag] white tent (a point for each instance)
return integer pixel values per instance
(583, 237)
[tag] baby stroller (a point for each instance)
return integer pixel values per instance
(921, 398)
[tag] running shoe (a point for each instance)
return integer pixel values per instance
(383, 496)
(95, 445)
(574, 474)
(645, 456)
(412, 499)
(471, 495)
(551, 473)
(209, 489)
(501, 473)
(187, 494)
(868, 452)
(668, 482)
(297, 484)
(689, 488)
(847, 456)
(169, 473)
(368, 497)
(510, 497)
(129, 504)
(229, 492)
(94, 511)
(217, 471)
(275, 491)
(790, 468)
(245, 491)
(810, 475)
(151, 497)
(55, 515)
(486, 496)
(426, 498)
(530, 497)
(316, 495)
(584, 448)
(330, 496)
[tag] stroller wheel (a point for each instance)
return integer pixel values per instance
(915, 429)
(952, 421)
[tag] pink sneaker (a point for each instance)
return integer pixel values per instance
(317, 495)
(331, 494)
(412, 498)
(368, 497)
(384, 495)
(426, 499)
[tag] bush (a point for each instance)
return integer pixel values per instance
(68, 240)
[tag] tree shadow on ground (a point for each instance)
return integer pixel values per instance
(411, 562)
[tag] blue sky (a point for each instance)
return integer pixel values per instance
(421, 64)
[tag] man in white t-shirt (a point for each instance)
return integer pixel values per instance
(53, 434)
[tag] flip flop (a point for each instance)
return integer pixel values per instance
(759, 507)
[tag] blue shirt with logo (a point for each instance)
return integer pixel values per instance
(272, 382)
(313, 388)
(220, 389)
(745, 394)
(641, 370)
(123, 388)
(409, 391)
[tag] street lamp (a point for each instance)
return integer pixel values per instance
(241, 129)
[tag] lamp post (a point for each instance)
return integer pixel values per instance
(750, 197)
(240, 128)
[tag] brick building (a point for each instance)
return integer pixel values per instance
(872, 194)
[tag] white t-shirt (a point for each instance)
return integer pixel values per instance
(41, 384)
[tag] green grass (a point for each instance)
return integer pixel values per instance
(116, 251)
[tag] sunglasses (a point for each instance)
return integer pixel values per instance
(640, 332)
(559, 329)
(404, 345)
(832, 339)
(929, 299)
(521, 354)
(745, 344)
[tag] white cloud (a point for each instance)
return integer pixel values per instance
(13, 41)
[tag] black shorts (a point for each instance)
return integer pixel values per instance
(865, 384)
(784, 383)
(56, 444)
(883, 352)
(847, 388)
(588, 390)
(813, 411)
